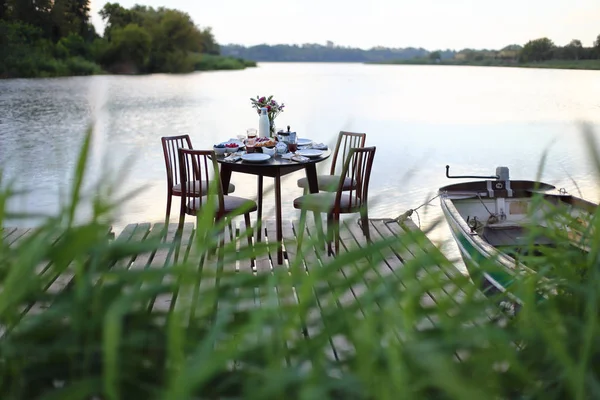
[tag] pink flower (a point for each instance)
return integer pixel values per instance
(262, 100)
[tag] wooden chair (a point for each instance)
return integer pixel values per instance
(345, 142)
(357, 167)
(170, 144)
(198, 167)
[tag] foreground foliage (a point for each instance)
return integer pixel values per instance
(96, 337)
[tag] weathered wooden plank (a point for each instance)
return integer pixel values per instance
(377, 270)
(20, 235)
(7, 232)
(447, 292)
(289, 294)
(393, 262)
(131, 233)
(14, 235)
(278, 292)
(310, 251)
(165, 257)
(415, 250)
(54, 282)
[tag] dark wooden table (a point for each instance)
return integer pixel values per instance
(276, 167)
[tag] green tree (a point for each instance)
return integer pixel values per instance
(208, 43)
(597, 46)
(32, 12)
(81, 11)
(116, 16)
(435, 56)
(129, 48)
(574, 49)
(75, 45)
(64, 22)
(537, 50)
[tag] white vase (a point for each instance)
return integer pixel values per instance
(264, 127)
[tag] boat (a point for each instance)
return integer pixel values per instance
(494, 221)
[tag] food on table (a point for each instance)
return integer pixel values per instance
(265, 142)
(228, 145)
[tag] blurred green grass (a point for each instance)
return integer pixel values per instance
(96, 338)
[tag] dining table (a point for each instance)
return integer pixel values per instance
(275, 167)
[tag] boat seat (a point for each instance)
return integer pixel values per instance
(515, 236)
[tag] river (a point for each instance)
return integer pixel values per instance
(419, 117)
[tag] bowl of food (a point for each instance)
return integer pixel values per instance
(269, 150)
(225, 147)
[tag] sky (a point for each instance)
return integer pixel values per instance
(432, 24)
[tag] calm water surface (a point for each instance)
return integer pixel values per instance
(419, 117)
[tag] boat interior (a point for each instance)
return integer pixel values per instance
(509, 224)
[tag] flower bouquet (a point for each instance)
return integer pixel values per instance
(273, 108)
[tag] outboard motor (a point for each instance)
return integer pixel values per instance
(502, 174)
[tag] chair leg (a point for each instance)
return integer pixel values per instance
(231, 232)
(300, 233)
(249, 233)
(181, 219)
(221, 249)
(364, 221)
(319, 228)
(329, 234)
(169, 199)
(336, 232)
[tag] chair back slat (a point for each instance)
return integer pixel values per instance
(198, 167)
(345, 142)
(170, 146)
(357, 167)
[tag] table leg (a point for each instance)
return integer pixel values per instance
(278, 218)
(311, 177)
(225, 177)
(259, 198)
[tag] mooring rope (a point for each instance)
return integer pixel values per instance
(404, 216)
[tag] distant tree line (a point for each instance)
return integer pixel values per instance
(316, 52)
(544, 49)
(533, 51)
(55, 38)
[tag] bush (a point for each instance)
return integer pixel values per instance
(29, 55)
(75, 46)
(81, 66)
(50, 67)
(208, 62)
(129, 45)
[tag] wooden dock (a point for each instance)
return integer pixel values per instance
(364, 280)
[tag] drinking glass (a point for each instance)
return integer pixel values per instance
(250, 143)
(251, 133)
(292, 144)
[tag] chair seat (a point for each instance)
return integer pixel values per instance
(327, 183)
(233, 205)
(193, 186)
(324, 202)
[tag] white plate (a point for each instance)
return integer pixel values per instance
(255, 157)
(304, 142)
(310, 153)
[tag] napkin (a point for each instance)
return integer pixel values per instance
(295, 157)
(319, 146)
(233, 158)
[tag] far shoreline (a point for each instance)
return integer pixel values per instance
(582, 65)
